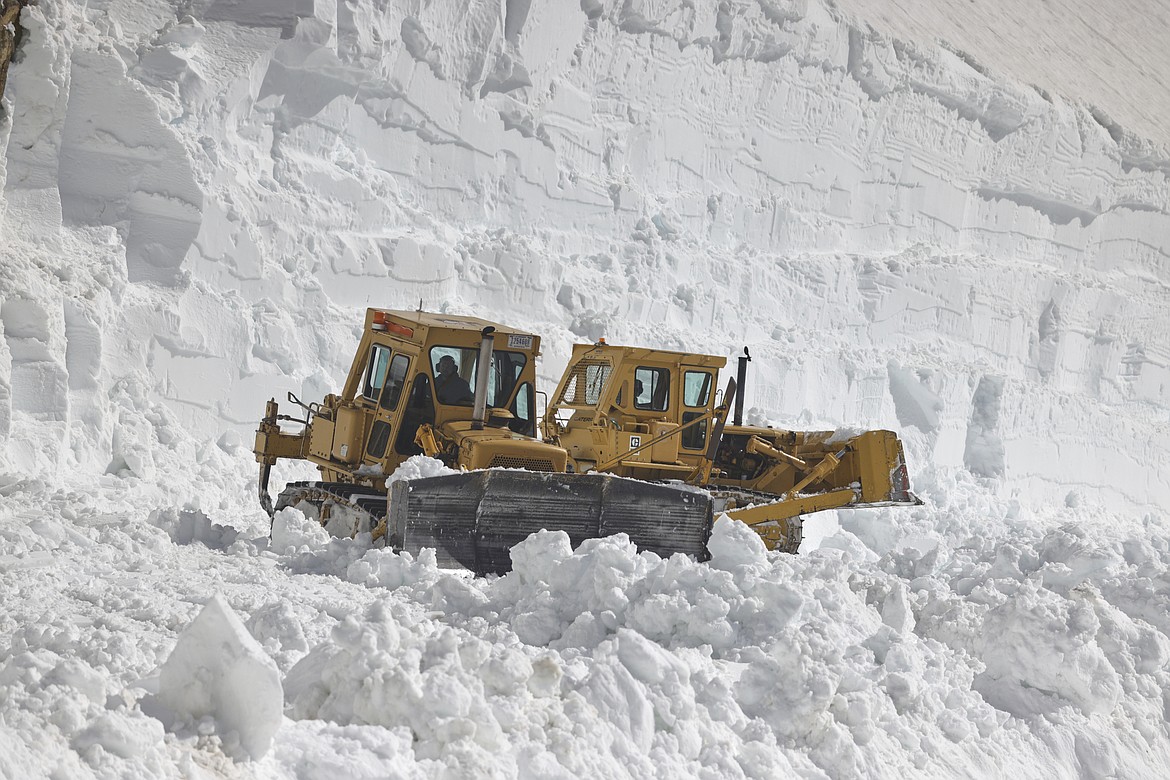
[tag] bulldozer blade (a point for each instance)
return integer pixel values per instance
(472, 520)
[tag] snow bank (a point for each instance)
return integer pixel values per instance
(902, 239)
(218, 672)
(1063, 49)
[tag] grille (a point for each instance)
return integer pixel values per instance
(531, 464)
(586, 382)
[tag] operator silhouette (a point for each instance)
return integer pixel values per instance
(450, 388)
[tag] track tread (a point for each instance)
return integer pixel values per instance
(360, 497)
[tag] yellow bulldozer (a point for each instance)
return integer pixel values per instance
(632, 440)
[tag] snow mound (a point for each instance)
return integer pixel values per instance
(293, 531)
(218, 671)
(733, 544)
(420, 467)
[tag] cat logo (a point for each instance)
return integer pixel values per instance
(635, 442)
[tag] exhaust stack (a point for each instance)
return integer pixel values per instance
(483, 370)
(740, 380)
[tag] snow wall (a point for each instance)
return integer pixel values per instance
(201, 198)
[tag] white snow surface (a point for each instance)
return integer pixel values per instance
(199, 199)
(218, 672)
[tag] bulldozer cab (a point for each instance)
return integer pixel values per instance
(613, 401)
(655, 415)
(413, 369)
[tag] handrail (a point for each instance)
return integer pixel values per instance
(716, 413)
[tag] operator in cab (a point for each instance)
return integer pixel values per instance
(450, 388)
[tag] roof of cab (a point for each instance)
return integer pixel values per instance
(433, 320)
(650, 354)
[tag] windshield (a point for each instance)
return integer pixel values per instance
(455, 370)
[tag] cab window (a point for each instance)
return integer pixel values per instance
(524, 410)
(455, 371)
(651, 388)
(696, 393)
(419, 409)
(696, 388)
(394, 382)
(376, 371)
(695, 437)
(586, 383)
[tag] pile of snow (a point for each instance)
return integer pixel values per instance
(841, 665)
(218, 673)
(419, 467)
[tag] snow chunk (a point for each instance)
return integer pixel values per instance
(120, 734)
(896, 610)
(1041, 653)
(734, 544)
(419, 467)
(392, 569)
(293, 530)
(534, 558)
(218, 670)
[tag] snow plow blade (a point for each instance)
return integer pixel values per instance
(473, 520)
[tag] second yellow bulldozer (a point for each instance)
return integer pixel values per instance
(632, 440)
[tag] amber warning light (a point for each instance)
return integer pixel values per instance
(383, 323)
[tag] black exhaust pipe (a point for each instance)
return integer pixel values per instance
(741, 378)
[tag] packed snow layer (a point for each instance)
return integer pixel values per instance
(198, 207)
(198, 200)
(1111, 56)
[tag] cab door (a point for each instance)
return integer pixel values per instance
(386, 416)
(698, 399)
